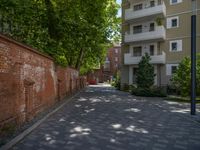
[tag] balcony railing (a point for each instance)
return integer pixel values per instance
(129, 59)
(158, 34)
(157, 10)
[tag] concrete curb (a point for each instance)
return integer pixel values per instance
(34, 126)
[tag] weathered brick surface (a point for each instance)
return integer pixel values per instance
(66, 81)
(30, 81)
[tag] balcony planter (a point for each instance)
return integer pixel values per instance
(159, 21)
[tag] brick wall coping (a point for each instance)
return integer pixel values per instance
(9, 39)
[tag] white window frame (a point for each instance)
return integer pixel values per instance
(169, 22)
(178, 1)
(138, 4)
(179, 45)
(116, 51)
(169, 68)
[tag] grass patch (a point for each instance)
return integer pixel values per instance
(180, 99)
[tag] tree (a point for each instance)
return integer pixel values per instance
(181, 78)
(75, 33)
(145, 74)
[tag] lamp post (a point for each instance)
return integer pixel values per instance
(193, 57)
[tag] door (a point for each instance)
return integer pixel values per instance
(152, 27)
(135, 75)
(152, 3)
(28, 110)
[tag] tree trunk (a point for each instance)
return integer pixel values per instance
(51, 19)
(79, 60)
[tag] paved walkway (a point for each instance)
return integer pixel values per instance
(101, 118)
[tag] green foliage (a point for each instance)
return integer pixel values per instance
(151, 92)
(145, 74)
(145, 80)
(75, 33)
(181, 78)
(116, 82)
(159, 21)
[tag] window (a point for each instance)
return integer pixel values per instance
(152, 3)
(173, 22)
(137, 51)
(116, 59)
(173, 69)
(137, 7)
(173, 2)
(176, 45)
(106, 66)
(159, 2)
(116, 51)
(137, 29)
(152, 27)
(151, 50)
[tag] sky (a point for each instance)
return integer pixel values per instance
(119, 12)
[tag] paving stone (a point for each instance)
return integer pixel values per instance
(101, 118)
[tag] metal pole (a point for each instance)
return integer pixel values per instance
(193, 58)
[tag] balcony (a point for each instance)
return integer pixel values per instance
(129, 59)
(146, 13)
(158, 34)
(106, 65)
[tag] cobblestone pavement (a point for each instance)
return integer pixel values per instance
(101, 118)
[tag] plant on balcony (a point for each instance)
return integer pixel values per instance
(159, 21)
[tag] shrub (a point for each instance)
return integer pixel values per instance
(145, 80)
(151, 92)
(181, 78)
(126, 88)
(116, 82)
(145, 74)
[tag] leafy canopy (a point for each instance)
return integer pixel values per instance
(74, 32)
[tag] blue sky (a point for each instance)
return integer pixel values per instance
(119, 2)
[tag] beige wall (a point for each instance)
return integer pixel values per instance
(124, 75)
(183, 32)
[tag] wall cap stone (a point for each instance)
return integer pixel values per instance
(11, 40)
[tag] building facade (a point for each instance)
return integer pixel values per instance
(160, 28)
(112, 63)
(109, 69)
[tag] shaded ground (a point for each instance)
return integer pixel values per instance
(101, 118)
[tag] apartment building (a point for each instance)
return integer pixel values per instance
(111, 66)
(113, 62)
(161, 28)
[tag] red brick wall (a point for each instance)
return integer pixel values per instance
(112, 55)
(30, 82)
(102, 74)
(67, 81)
(95, 76)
